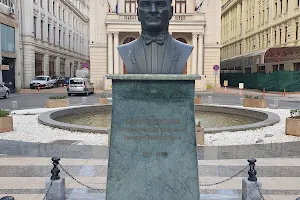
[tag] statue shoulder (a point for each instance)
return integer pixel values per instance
(128, 46)
(182, 46)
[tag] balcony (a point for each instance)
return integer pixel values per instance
(177, 18)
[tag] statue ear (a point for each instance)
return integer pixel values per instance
(137, 13)
(171, 12)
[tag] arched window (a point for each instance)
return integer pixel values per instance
(180, 6)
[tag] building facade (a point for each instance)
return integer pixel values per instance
(260, 36)
(113, 23)
(10, 70)
(55, 37)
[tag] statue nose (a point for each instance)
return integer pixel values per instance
(153, 8)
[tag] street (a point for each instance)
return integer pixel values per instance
(26, 101)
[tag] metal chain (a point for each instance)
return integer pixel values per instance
(48, 190)
(259, 190)
(84, 185)
(228, 179)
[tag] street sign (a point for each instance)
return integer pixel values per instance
(216, 73)
(85, 65)
(216, 67)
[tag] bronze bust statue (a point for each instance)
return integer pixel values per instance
(155, 51)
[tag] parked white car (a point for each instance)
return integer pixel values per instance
(4, 91)
(42, 82)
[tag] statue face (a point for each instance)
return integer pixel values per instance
(154, 15)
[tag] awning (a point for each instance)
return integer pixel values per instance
(253, 58)
(271, 55)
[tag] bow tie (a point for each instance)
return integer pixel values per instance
(158, 39)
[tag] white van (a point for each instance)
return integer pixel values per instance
(80, 86)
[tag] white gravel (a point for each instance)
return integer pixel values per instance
(27, 128)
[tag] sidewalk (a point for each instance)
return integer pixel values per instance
(289, 96)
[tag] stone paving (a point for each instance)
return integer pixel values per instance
(24, 168)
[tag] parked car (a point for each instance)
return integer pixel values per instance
(58, 81)
(80, 86)
(4, 91)
(42, 82)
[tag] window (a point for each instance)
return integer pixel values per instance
(267, 39)
(59, 11)
(279, 36)
(287, 6)
(69, 41)
(53, 8)
(54, 33)
(263, 16)
(59, 36)
(63, 39)
(280, 6)
(49, 33)
(63, 15)
(42, 31)
(130, 6)
(285, 34)
(48, 5)
(34, 26)
(180, 6)
(274, 37)
(297, 27)
(41, 1)
(268, 12)
(240, 48)
(275, 9)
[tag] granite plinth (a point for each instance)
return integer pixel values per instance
(152, 151)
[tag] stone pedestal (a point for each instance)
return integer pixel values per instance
(57, 190)
(152, 152)
(250, 190)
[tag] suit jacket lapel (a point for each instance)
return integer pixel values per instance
(169, 55)
(140, 57)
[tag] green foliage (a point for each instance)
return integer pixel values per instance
(254, 97)
(198, 123)
(248, 96)
(295, 113)
(3, 113)
(198, 95)
(209, 87)
(58, 97)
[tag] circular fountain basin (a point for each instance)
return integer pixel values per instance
(214, 119)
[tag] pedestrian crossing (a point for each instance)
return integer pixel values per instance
(25, 177)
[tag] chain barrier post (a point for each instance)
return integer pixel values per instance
(55, 186)
(251, 188)
(12, 198)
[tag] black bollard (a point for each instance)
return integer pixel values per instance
(55, 171)
(7, 198)
(252, 172)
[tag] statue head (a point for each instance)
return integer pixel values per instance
(155, 15)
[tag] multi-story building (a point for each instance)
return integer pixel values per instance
(113, 23)
(55, 37)
(10, 70)
(260, 35)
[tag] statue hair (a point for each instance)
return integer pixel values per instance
(139, 1)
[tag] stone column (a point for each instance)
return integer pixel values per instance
(57, 66)
(238, 18)
(116, 54)
(200, 54)
(46, 64)
(110, 54)
(194, 54)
